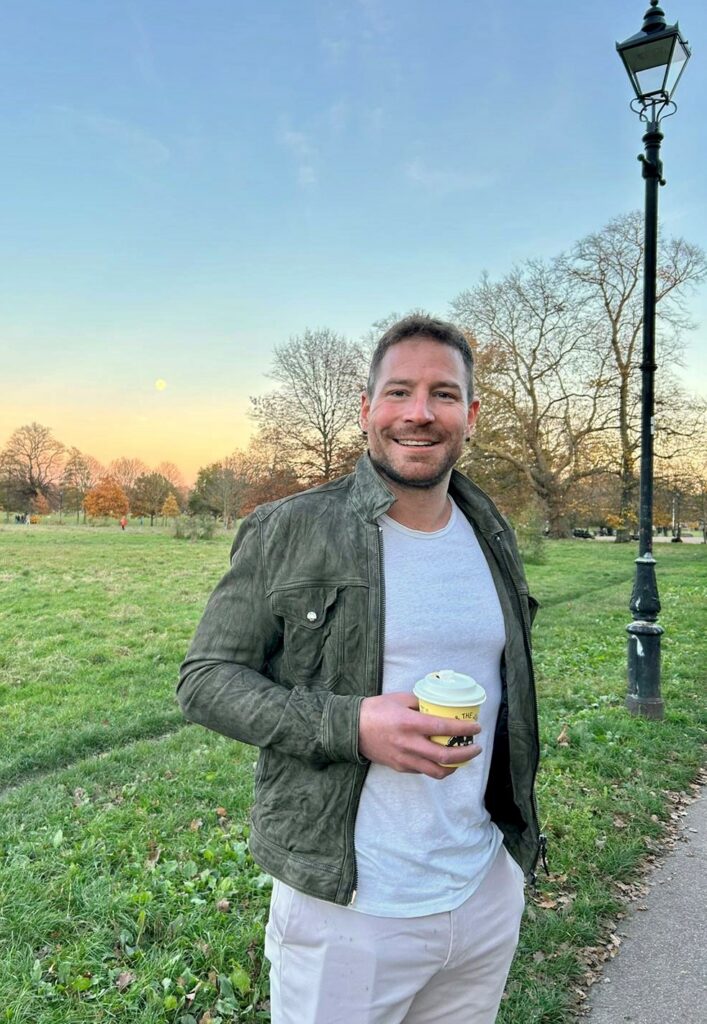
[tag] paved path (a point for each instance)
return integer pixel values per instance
(660, 974)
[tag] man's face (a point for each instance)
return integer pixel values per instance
(418, 416)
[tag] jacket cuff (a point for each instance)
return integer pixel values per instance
(340, 728)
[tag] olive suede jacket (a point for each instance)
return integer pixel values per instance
(290, 644)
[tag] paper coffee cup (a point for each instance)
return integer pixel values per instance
(449, 694)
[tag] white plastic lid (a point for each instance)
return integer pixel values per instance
(449, 689)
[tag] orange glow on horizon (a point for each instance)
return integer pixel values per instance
(190, 438)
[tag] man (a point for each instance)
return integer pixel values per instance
(398, 881)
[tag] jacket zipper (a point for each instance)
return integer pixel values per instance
(542, 838)
(379, 685)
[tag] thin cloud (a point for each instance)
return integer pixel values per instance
(304, 155)
(142, 51)
(132, 139)
(443, 180)
(375, 15)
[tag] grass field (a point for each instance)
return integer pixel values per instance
(126, 890)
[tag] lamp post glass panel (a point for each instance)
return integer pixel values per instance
(654, 59)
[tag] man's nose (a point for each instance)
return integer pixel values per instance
(419, 410)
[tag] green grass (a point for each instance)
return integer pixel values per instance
(122, 833)
(92, 626)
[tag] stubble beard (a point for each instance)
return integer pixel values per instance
(414, 483)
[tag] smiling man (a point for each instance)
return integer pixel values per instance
(398, 878)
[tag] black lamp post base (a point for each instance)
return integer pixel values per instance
(643, 697)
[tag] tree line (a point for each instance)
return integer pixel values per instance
(557, 348)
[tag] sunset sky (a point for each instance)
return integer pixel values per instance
(186, 184)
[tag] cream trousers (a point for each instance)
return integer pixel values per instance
(333, 965)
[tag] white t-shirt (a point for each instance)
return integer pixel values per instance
(423, 845)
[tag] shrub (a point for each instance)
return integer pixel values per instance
(531, 539)
(194, 528)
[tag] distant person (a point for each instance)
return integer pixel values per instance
(123, 523)
(399, 880)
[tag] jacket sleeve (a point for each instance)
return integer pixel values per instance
(223, 682)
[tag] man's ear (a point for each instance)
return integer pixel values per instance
(471, 417)
(363, 413)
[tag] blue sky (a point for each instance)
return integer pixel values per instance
(184, 185)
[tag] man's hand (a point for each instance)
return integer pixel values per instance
(393, 732)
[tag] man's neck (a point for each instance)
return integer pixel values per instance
(424, 509)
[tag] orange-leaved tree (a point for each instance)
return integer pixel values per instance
(170, 509)
(107, 498)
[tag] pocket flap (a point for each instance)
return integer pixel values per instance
(304, 606)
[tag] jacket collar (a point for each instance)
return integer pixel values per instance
(476, 505)
(372, 498)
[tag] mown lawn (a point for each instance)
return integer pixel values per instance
(126, 891)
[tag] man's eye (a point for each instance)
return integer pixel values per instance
(445, 394)
(397, 393)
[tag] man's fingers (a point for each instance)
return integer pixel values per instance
(430, 725)
(442, 761)
(456, 755)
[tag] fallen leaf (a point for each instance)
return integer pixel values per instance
(224, 906)
(547, 903)
(196, 824)
(563, 739)
(153, 856)
(222, 812)
(124, 980)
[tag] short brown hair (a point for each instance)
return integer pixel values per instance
(421, 326)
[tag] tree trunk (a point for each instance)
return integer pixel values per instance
(553, 495)
(626, 511)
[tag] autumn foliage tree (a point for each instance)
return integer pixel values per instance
(270, 475)
(126, 471)
(170, 509)
(81, 473)
(149, 494)
(107, 498)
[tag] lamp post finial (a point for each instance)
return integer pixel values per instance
(654, 18)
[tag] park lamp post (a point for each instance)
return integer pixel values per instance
(655, 59)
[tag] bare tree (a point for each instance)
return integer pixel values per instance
(540, 381)
(33, 461)
(125, 472)
(609, 267)
(172, 473)
(221, 488)
(81, 473)
(311, 418)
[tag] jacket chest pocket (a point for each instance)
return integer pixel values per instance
(312, 633)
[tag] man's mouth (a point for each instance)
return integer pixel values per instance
(410, 443)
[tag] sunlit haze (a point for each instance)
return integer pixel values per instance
(184, 186)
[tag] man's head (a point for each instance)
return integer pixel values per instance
(421, 326)
(416, 410)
